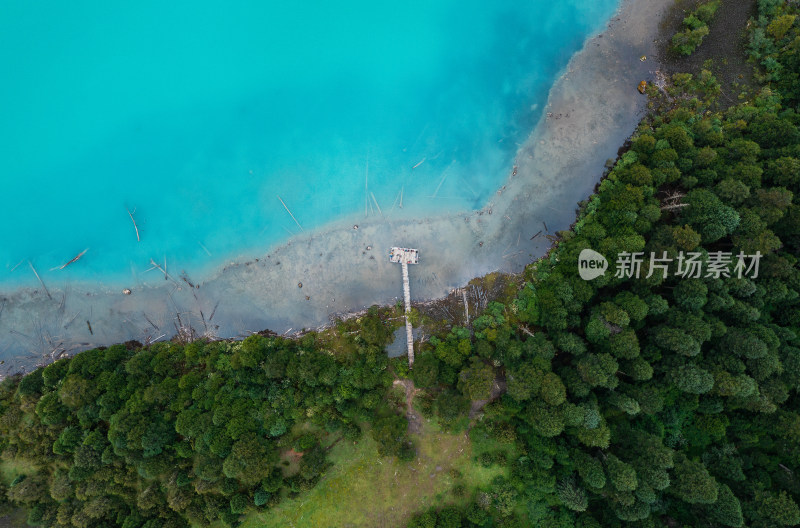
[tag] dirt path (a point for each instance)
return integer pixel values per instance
(413, 417)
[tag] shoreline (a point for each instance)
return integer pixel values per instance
(592, 108)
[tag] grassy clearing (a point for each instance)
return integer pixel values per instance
(363, 489)
(290, 455)
(11, 469)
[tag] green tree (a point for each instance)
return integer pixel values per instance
(572, 495)
(692, 379)
(552, 390)
(50, 410)
(621, 474)
(691, 294)
(450, 405)
(779, 508)
(625, 344)
(692, 482)
(524, 381)
(727, 510)
(475, 381)
(709, 216)
(675, 340)
(590, 470)
(780, 26)
(598, 370)
(247, 460)
(426, 370)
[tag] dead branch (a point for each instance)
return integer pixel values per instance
(185, 278)
(378, 207)
(71, 320)
(74, 259)
(466, 305)
(185, 332)
(148, 340)
(134, 224)
(151, 322)
(162, 270)
(290, 214)
(673, 201)
(40, 280)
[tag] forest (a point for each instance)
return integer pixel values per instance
(671, 399)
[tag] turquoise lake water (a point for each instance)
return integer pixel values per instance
(197, 115)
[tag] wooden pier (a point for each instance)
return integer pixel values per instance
(406, 256)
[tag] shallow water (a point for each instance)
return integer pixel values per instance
(196, 116)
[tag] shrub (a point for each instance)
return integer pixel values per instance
(695, 28)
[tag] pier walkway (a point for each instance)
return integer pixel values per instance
(409, 331)
(405, 257)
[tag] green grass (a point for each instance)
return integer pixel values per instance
(363, 489)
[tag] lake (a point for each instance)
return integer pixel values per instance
(227, 128)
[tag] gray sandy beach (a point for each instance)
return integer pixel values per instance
(592, 109)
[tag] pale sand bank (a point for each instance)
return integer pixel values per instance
(591, 110)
